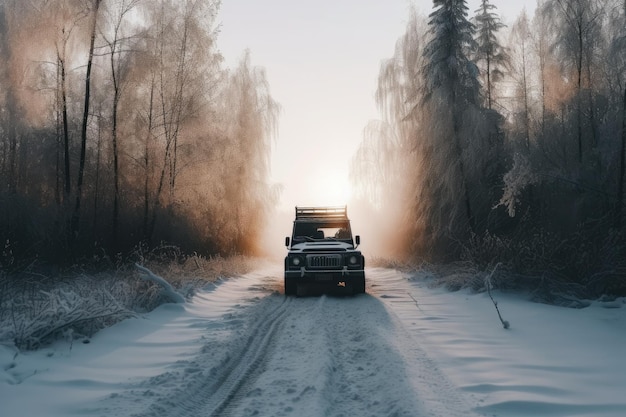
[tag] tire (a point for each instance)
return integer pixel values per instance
(291, 286)
(359, 286)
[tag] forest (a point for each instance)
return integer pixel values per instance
(504, 145)
(120, 126)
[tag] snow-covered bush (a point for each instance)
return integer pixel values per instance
(38, 311)
(186, 272)
(35, 309)
(516, 181)
(588, 263)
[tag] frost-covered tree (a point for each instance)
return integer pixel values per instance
(253, 116)
(135, 88)
(384, 168)
(448, 72)
(182, 60)
(578, 24)
(521, 75)
(540, 33)
(618, 64)
(118, 43)
(490, 56)
(94, 12)
(449, 112)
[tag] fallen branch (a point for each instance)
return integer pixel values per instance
(416, 303)
(168, 290)
(505, 323)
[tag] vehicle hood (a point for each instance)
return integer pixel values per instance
(322, 247)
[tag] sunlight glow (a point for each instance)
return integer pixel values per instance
(329, 187)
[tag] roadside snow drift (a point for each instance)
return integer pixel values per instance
(241, 348)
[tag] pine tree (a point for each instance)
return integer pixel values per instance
(490, 55)
(449, 109)
(448, 70)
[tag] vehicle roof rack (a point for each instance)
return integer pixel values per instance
(325, 212)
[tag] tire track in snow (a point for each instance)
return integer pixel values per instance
(333, 358)
(212, 389)
(248, 363)
(307, 357)
(439, 396)
(368, 375)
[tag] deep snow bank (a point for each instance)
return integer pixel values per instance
(552, 361)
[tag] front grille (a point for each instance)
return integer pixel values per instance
(324, 261)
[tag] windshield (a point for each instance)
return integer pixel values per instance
(309, 231)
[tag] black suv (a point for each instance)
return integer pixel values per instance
(322, 252)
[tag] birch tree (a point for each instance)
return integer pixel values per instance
(181, 45)
(521, 73)
(118, 45)
(579, 23)
(253, 125)
(385, 168)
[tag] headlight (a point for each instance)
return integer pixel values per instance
(295, 261)
(353, 260)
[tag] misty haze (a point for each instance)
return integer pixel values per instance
(146, 195)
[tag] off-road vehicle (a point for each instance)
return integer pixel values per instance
(322, 252)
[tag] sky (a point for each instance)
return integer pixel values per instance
(322, 60)
(447, 350)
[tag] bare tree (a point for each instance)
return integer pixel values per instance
(147, 162)
(254, 124)
(386, 168)
(119, 61)
(579, 23)
(618, 54)
(65, 20)
(539, 34)
(9, 18)
(75, 225)
(520, 70)
(175, 90)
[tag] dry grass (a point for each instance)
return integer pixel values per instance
(36, 309)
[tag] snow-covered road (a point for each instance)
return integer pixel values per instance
(241, 348)
(314, 356)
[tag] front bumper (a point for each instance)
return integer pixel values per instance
(309, 282)
(303, 272)
(332, 277)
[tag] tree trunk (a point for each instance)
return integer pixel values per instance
(12, 132)
(526, 106)
(489, 82)
(83, 134)
(542, 65)
(66, 137)
(622, 168)
(459, 152)
(96, 190)
(146, 182)
(116, 169)
(579, 68)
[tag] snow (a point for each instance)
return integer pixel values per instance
(241, 348)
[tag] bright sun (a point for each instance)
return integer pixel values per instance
(330, 187)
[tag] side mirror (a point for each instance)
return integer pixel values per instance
(357, 239)
(287, 241)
